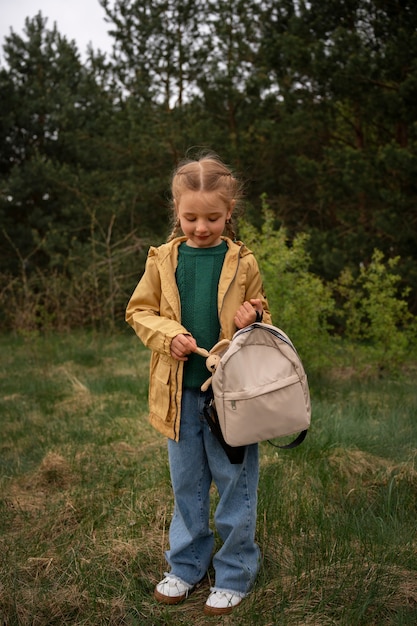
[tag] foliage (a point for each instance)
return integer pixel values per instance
(300, 302)
(312, 102)
(89, 288)
(376, 315)
(73, 155)
(369, 311)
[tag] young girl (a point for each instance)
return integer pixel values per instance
(197, 289)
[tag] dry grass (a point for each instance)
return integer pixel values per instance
(85, 505)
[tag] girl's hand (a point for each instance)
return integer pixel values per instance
(246, 313)
(181, 345)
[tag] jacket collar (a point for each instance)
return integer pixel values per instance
(168, 258)
(169, 251)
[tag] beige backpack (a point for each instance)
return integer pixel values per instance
(260, 388)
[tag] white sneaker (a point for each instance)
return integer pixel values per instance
(172, 590)
(221, 602)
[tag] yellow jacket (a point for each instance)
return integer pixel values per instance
(154, 312)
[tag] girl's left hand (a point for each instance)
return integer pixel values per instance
(246, 313)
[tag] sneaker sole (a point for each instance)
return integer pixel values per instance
(170, 599)
(176, 599)
(214, 610)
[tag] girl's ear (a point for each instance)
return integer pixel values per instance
(176, 207)
(231, 209)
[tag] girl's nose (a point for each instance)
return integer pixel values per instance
(201, 227)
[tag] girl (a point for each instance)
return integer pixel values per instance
(196, 289)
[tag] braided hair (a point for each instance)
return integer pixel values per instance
(207, 173)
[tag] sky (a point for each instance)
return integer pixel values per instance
(81, 20)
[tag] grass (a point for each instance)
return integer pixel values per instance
(85, 498)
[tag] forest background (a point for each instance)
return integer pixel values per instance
(312, 103)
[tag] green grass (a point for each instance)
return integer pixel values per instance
(85, 498)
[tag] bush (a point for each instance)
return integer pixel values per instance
(375, 314)
(300, 302)
(88, 288)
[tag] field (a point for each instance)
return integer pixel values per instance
(85, 498)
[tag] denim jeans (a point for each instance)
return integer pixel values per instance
(196, 461)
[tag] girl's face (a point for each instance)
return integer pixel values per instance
(202, 217)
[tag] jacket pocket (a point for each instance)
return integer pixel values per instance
(159, 389)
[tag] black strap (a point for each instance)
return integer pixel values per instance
(235, 454)
(292, 444)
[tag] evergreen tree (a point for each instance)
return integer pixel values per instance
(54, 113)
(347, 75)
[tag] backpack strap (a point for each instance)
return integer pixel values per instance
(292, 444)
(235, 454)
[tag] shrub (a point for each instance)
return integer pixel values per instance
(299, 301)
(375, 313)
(88, 288)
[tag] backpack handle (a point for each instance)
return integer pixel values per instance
(293, 444)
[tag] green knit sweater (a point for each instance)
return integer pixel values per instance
(197, 276)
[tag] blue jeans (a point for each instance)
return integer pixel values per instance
(195, 461)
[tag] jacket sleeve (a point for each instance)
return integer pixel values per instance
(151, 317)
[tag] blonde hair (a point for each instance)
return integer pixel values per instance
(207, 173)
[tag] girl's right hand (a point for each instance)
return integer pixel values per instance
(181, 345)
(246, 313)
